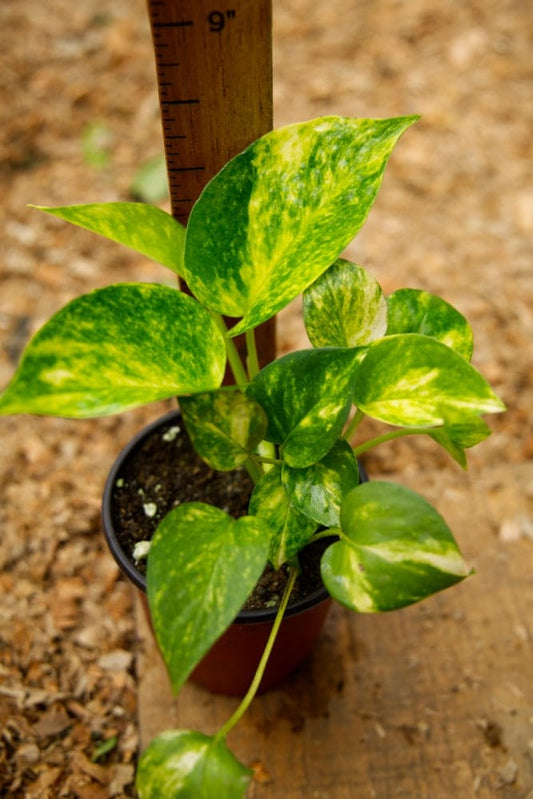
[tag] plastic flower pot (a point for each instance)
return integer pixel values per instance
(230, 664)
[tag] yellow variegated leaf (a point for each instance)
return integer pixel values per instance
(117, 348)
(277, 215)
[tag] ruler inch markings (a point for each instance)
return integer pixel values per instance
(180, 24)
(214, 72)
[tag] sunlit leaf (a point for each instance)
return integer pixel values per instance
(344, 307)
(415, 380)
(181, 764)
(318, 490)
(115, 349)
(225, 427)
(415, 311)
(142, 227)
(289, 528)
(307, 398)
(396, 549)
(278, 214)
(202, 566)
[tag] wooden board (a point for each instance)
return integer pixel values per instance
(431, 702)
(214, 76)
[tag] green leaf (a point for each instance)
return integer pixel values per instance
(181, 764)
(415, 311)
(144, 228)
(455, 438)
(307, 398)
(117, 348)
(225, 427)
(415, 380)
(344, 307)
(396, 549)
(278, 214)
(104, 748)
(290, 530)
(202, 566)
(318, 490)
(150, 183)
(97, 144)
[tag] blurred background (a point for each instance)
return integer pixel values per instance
(80, 123)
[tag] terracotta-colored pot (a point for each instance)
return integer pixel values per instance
(230, 664)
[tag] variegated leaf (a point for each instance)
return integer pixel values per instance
(202, 566)
(181, 764)
(117, 348)
(144, 228)
(290, 530)
(395, 549)
(344, 307)
(307, 398)
(412, 379)
(280, 213)
(318, 490)
(224, 426)
(415, 311)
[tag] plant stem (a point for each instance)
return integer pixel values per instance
(262, 459)
(355, 422)
(241, 378)
(253, 467)
(252, 690)
(252, 361)
(373, 442)
(331, 531)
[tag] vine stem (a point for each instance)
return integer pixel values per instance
(355, 422)
(251, 349)
(252, 690)
(254, 469)
(388, 437)
(267, 460)
(241, 378)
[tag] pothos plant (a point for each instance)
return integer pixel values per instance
(270, 225)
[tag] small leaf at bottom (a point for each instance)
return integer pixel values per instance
(181, 764)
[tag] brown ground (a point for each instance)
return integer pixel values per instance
(454, 216)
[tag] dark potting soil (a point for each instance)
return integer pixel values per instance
(164, 471)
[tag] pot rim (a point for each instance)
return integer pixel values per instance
(138, 579)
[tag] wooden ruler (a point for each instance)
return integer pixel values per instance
(214, 70)
(214, 73)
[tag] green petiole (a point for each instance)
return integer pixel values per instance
(252, 690)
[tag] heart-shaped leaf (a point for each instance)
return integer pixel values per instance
(225, 427)
(307, 398)
(117, 348)
(415, 380)
(290, 530)
(318, 490)
(181, 764)
(415, 311)
(144, 228)
(395, 549)
(278, 214)
(202, 566)
(344, 307)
